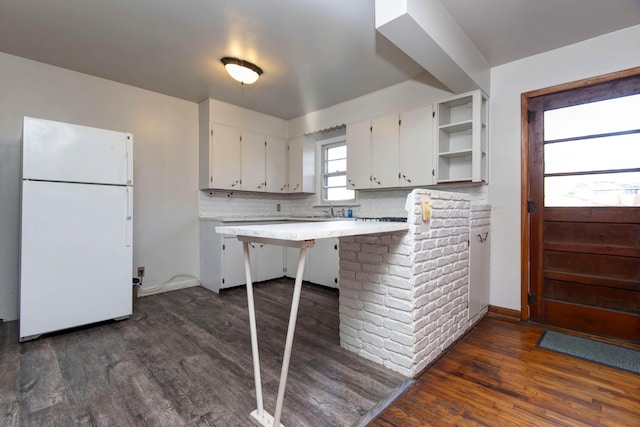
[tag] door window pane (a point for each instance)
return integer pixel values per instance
(608, 153)
(611, 189)
(595, 118)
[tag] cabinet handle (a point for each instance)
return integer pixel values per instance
(296, 187)
(352, 184)
(406, 179)
(376, 180)
(483, 239)
(234, 183)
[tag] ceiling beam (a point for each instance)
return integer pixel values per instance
(425, 31)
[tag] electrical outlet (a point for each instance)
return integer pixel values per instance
(140, 272)
(278, 207)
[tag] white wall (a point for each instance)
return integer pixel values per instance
(394, 98)
(605, 54)
(165, 163)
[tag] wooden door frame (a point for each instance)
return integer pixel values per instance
(524, 167)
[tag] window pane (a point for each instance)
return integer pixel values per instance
(610, 153)
(613, 189)
(336, 166)
(339, 194)
(334, 153)
(595, 118)
(337, 181)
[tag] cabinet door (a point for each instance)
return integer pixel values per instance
(225, 157)
(292, 255)
(294, 165)
(253, 161)
(268, 261)
(416, 147)
(233, 273)
(324, 263)
(385, 157)
(479, 252)
(301, 165)
(359, 155)
(276, 164)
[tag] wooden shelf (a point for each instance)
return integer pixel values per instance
(456, 153)
(457, 127)
(462, 138)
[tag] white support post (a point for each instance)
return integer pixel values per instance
(254, 332)
(260, 417)
(290, 334)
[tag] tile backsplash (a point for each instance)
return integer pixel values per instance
(375, 203)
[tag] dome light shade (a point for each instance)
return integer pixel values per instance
(243, 71)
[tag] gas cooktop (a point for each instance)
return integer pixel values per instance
(383, 219)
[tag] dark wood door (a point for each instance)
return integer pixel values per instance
(584, 213)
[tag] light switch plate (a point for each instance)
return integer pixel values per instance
(426, 210)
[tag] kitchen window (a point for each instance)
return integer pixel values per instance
(333, 179)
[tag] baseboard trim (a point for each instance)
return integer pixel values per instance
(506, 312)
(172, 286)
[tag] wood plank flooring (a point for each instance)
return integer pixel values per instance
(184, 359)
(496, 376)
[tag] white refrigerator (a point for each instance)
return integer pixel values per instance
(76, 259)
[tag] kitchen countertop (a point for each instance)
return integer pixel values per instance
(240, 219)
(301, 231)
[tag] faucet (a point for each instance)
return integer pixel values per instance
(332, 214)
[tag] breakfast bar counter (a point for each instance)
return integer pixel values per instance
(301, 235)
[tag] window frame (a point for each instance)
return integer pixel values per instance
(321, 149)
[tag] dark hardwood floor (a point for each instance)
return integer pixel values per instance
(184, 358)
(496, 376)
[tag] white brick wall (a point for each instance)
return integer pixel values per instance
(403, 296)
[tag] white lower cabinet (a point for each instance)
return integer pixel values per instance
(222, 259)
(479, 252)
(266, 262)
(233, 273)
(291, 256)
(322, 266)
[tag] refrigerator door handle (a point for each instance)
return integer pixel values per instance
(129, 217)
(129, 151)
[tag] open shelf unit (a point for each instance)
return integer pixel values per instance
(462, 138)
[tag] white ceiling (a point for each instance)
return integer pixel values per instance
(315, 53)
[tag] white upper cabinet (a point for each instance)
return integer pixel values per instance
(301, 165)
(416, 147)
(276, 165)
(253, 161)
(393, 150)
(385, 153)
(221, 158)
(359, 155)
(462, 138)
(232, 157)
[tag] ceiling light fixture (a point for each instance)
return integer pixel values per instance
(243, 71)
